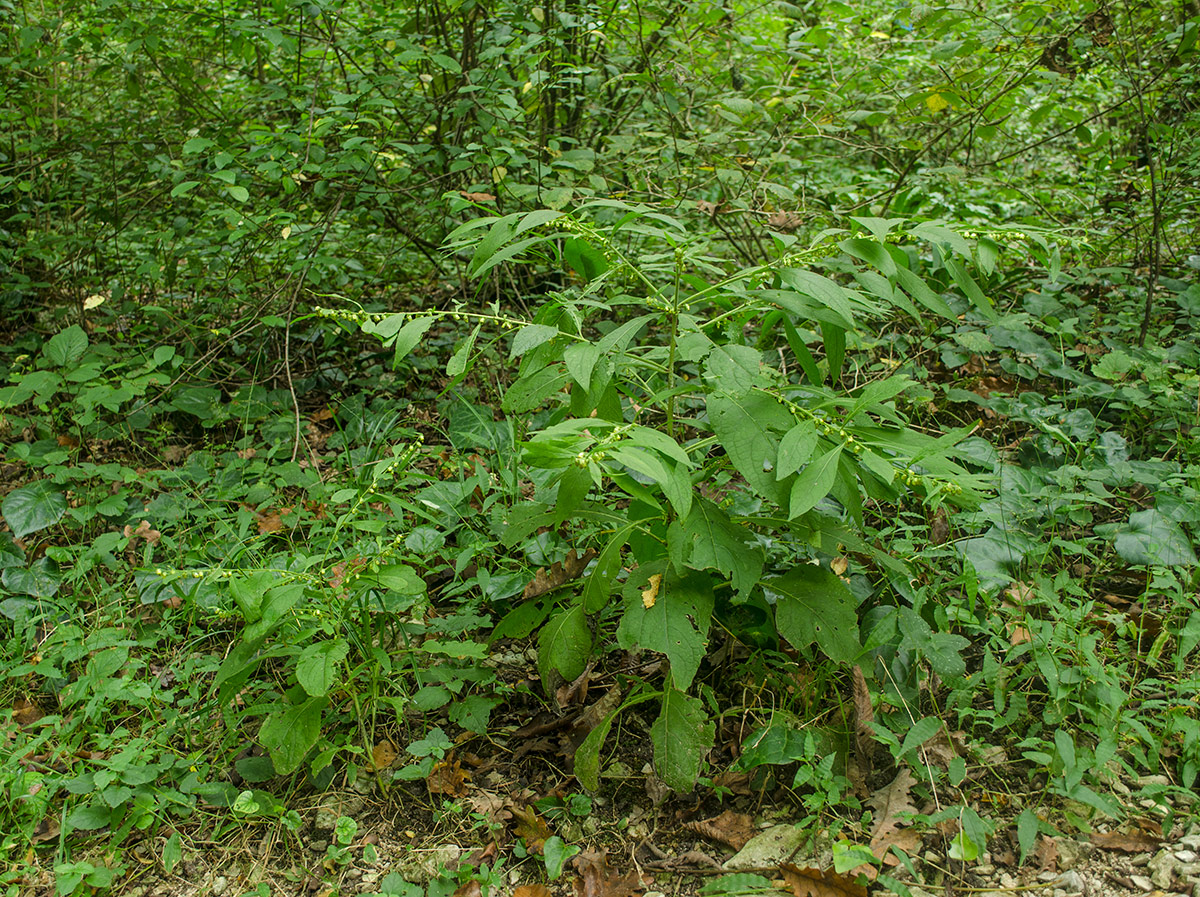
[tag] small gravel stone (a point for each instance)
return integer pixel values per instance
(318, 845)
(1142, 882)
(1186, 856)
(1139, 859)
(984, 869)
(219, 885)
(1007, 880)
(1162, 869)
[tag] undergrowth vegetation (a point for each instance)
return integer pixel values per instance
(794, 401)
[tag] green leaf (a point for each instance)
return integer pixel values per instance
(920, 732)
(872, 253)
(814, 483)
(172, 852)
(89, 818)
(713, 541)
(1027, 832)
(796, 448)
(1154, 538)
(32, 508)
(564, 645)
(587, 261)
(676, 624)
(407, 338)
(734, 369)
(183, 188)
(289, 734)
(743, 424)
(556, 852)
(943, 650)
(66, 347)
(682, 735)
(921, 291)
(530, 337)
(581, 359)
(317, 666)
(598, 588)
(277, 601)
(534, 389)
(457, 365)
(814, 605)
(41, 579)
(238, 192)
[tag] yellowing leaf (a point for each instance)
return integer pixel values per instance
(936, 102)
(650, 595)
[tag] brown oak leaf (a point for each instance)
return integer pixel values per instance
(1137, 842)
(734, 829)
(559, 574)
(597, 879)
(809, 882)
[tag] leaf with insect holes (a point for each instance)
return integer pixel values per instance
(682, 735)
(676, 624)
(813, 605)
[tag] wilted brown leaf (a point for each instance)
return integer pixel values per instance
(708, 208)
(496, 807)
(939, 527)
(650, 593)
(575, 691)
(734, 829)
(269, 522)
(1137, 842)
(143, 531)
(597, 879)
(559, 574)
(864, 715)
(811, 882)
(1046, 854)
(478, 197)
(448, 778)
(890, 801)
(531, 828)
(469, 888)
(383, 755)
(785, 221)
(531, 891)
(26, 713)
(906, 839)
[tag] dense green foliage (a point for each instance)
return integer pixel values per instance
(782, 340)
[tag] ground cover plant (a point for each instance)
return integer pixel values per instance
(535, 431)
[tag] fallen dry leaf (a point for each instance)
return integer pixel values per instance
(383, 755)
(785, 221)
(269, 522)
(864, 715)
(496, 807)
(531, 891)
(143, 531)
(939, 527)
(479, 197)
(890, 801)
(1137, 842)
(559, 574)
(469, 888)
(811, 882)
(531, 828)
(734, 829)
(26, 713)
(1046, 854)
(597, 879)
(448, 778)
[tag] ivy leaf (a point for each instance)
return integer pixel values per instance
(317, 667)
(676, 624)
(33, 507)
(813, 605)
(715, 542)
(289, 734)
(682, 735)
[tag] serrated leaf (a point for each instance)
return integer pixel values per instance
(744, 426)
(814, 483)
(34, 507)
(682, 735)
(67, 346)
(317, 666)
(290, 733)
(675, 625)
(715, 542)
(814, 606)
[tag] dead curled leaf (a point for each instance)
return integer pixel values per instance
(448, 778)
(809, 882)
(531, 828)
(597, 879)
(1137, 842)
(733, 829)
(531, 891)
(143, 531)
(383, 755)
(559, 574)
(864, 715)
